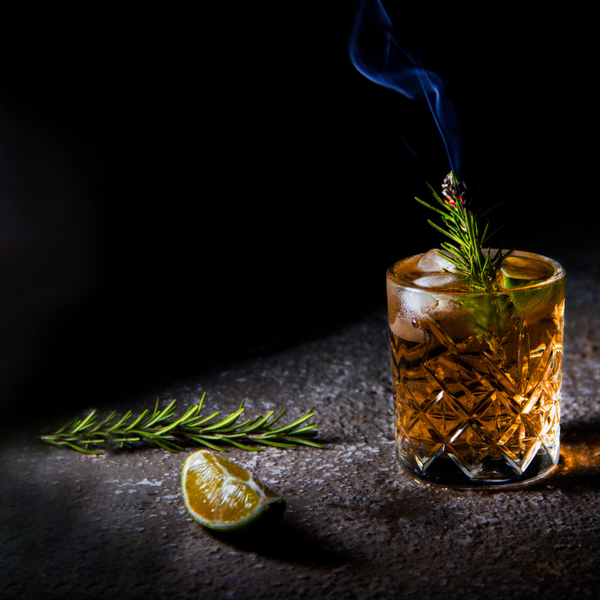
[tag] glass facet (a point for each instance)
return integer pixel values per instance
(476, 375)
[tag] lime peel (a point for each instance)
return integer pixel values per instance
(223, 496)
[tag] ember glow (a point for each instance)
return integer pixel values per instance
(385, 49)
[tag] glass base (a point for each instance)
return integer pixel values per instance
(493, 474)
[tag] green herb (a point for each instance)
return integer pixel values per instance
(465, 251)
(163, 429)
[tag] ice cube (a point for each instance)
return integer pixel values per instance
(418, 303)
(408, 329)
(437, 281)
(416, 308)
(433, 262)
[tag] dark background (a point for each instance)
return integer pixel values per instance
(180, 188)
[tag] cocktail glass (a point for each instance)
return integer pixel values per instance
(476, 375)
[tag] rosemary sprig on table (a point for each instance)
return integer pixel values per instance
(161, 428)
(466, 250)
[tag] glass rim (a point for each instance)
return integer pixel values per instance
(559, 273)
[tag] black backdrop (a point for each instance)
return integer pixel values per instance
(178, 188)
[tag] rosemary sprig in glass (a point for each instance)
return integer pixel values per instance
(466, 250)
(163, 429)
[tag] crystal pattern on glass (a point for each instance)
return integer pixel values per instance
(477, 376)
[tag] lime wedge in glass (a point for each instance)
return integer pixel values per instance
(519, 271)
(520, 276)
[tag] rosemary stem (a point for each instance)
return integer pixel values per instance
(161, 428)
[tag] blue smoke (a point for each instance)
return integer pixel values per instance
(385, 49)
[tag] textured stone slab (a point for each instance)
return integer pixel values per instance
(74, 526)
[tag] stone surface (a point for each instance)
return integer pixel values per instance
(76, 526)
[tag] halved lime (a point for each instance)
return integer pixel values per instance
(224, 497)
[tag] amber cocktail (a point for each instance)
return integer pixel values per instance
(476, 375)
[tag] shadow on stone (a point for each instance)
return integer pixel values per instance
(289, 543)
(57, 542)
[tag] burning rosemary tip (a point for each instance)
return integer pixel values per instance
(452, 188)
